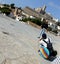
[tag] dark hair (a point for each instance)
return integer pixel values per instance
(44, 36)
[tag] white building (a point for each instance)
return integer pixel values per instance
(55, 19)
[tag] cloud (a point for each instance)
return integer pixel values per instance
(54, 5)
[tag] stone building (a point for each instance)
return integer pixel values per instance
(38, 13)
(31, 12)
(41, 10)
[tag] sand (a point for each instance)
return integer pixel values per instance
(19, 42)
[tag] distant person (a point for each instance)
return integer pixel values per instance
(44, 27)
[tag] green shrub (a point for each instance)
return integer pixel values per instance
(5, 10)
(36, 21)
(25, 19)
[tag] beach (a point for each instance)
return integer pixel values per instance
(19, 43)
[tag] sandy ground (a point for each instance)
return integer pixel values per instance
(19, 43)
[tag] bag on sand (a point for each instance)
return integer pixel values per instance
(50, 48)
(44, 52)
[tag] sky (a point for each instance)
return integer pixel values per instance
(52, 6)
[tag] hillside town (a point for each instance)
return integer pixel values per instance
(27, 12)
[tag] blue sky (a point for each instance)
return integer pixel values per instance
(53, 6)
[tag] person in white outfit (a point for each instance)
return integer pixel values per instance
(44, 41)
(45, 38)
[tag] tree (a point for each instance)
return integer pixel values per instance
(5, 10)
(12, 5)
(6, 5)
